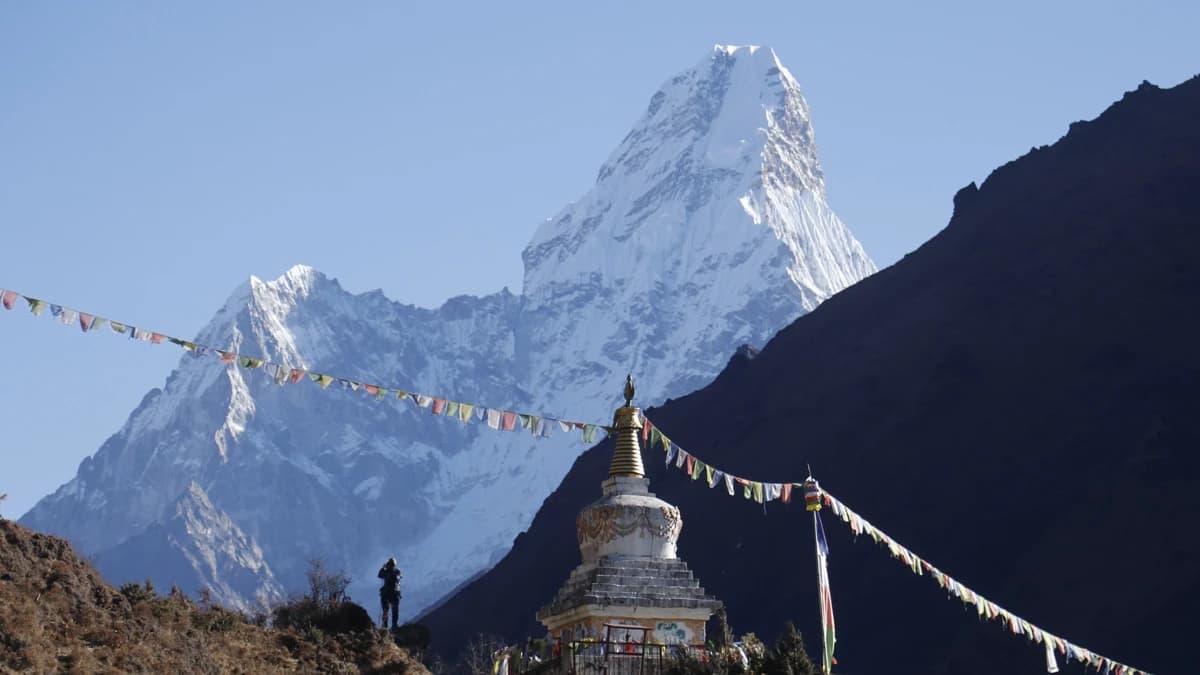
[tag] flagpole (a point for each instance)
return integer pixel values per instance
(820, 590)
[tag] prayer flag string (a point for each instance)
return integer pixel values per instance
(538, 425)
(814, 496)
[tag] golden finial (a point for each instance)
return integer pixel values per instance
(627, 423)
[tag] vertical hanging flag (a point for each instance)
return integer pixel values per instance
(826, 600)
(1051, 662)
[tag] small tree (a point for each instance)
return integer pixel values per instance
(789, 656)
(324, 606)
(325, 587)
(480, 655)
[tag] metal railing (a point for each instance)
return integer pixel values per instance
(593, 657)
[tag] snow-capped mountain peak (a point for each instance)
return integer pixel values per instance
(706, 229)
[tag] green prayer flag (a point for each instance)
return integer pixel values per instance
(708, 474)
(747, 491)
(401, 395)
(323, 380)
(655, 436)
(118, 327)
(758, 492)
(451, 408)
(97, 322)
(381, 393)
(589, 433)
(36, 306)
(249, 362)
(696, 469)
(464, 412)
(526, 422)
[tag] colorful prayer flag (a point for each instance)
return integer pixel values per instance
(828, 630)
(464, 412)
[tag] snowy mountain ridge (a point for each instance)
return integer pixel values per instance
(707, 228)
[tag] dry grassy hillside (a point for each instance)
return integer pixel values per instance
(58, 615)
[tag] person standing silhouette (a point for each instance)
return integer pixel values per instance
(389, 592)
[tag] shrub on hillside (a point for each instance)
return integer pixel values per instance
(137, 593)
(324, 610)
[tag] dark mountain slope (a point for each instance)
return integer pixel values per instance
(1018, 401)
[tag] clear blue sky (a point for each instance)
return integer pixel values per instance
(154, 155)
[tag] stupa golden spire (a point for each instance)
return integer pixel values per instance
(627, 423)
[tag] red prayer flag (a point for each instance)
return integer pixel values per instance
(508, 421)
(85, 321)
